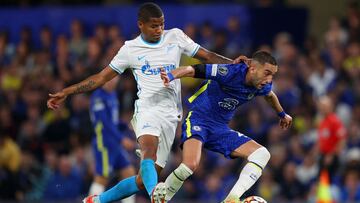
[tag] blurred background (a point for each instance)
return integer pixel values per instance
(45, 156)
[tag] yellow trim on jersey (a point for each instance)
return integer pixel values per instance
(201, 90)
(102, 149)
(188, 125)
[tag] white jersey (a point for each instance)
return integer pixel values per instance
(145, 59)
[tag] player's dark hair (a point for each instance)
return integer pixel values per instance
(264, 57)
(149, 10)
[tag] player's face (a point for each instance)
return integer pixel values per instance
(263, 74)
(152, 29)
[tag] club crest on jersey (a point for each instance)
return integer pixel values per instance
(149, 70)
(196, 128)
(222, 70)
(229, 104)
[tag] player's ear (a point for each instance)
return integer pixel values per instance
(251, 65)
(140, 24)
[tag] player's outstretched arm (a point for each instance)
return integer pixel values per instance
(206, 56)
(285, 119)
(182, 71)
(209, 57)
(88, 84)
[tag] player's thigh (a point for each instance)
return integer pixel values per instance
(148, 129)
(194, 133)
(245, 149)
(146, 123)
(224, 140)
(166, 139)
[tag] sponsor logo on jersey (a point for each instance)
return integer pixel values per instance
(150, 70)
(229, 104)
(223, 70)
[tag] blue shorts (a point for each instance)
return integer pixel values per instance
(109, 156)
(216, 137)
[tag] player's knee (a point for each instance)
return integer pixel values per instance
(149, 153)
(191, 164)
(261, 157)
(139, 182)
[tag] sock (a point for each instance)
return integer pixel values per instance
(130, 199)
(123, 189)
(148, 175)
(248, 176)
(251, 172)
(176, 179)
(96, 188)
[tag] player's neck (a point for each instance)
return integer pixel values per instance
(149, 41)
(247, 79)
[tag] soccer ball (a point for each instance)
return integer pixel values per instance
(254, 199)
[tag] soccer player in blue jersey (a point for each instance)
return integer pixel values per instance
(211, 108)
(109, 155)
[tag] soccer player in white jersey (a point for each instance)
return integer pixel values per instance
(158, 109)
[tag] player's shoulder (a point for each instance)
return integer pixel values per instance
(173, 31)
(132, 42)
(233, 68)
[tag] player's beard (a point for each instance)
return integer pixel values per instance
(156, 39)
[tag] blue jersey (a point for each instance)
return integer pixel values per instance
(214, 104)
(104, 113)
(225, 90)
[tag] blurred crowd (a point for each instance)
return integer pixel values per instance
(46, 155)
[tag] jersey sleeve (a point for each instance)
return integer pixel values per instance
(101, 115)
(265, 90)
(221, 73)
(188, 46)
(121, 60)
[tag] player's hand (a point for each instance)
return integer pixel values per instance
(164, 78)
(128, 144)
(285, 122)
(241, 58)
(56, 100)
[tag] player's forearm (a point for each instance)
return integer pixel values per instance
(91, 82)
(86, 85)
(273, 101)
(183, 71)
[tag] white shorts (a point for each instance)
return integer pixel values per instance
(162, 125)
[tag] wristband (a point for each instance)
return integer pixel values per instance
(170, 76)
(282, 114)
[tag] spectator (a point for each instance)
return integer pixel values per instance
(331, 136)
